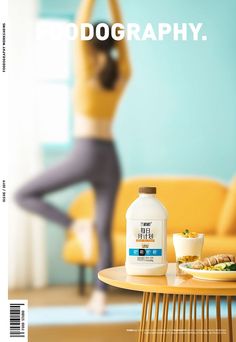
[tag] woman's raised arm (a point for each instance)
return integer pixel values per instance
(85, 11)
(124, 61)
(84, 15)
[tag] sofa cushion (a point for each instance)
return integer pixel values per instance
(73, 253)
(193, 203)
(227, 220)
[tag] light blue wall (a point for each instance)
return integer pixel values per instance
(178, 115)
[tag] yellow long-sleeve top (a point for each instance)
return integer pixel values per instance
(90, 100)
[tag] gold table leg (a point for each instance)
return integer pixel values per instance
(207, 317)
(184, 315)
(149, 327)
(195, 318)
(163, 315)
(178, 319)
(156, 317)
(230, 322)
(149, 320)
(190, 318)
(165, 318)
(202, 320)
(143, 318)
(149, 300)
(218, 319)
(173, 317)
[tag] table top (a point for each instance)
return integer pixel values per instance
(171, 283)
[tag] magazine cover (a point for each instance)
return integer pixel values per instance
(118, 170)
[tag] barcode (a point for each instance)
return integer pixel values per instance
(18, 315)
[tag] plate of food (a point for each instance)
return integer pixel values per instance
(221, 267)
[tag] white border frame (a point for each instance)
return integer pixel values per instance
(3, 176)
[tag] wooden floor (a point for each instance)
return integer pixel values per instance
(94, 333)
(68, 295)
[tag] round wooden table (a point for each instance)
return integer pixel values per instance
(181, 294)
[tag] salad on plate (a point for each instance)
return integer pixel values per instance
(219, 262)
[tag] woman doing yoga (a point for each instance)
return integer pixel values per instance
(100, 80)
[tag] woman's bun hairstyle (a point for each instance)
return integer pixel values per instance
(109, 74)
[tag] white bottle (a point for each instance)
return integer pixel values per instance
(146, 220)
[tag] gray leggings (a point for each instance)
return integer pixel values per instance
(90, 160)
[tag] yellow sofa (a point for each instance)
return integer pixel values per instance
(199, 204)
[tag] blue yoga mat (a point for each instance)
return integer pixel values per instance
(116, 313)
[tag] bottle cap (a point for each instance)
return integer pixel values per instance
(147, 190)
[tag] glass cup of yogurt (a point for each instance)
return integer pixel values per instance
(188, 246)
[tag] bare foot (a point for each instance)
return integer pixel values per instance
(84, 232)
(97, 302)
